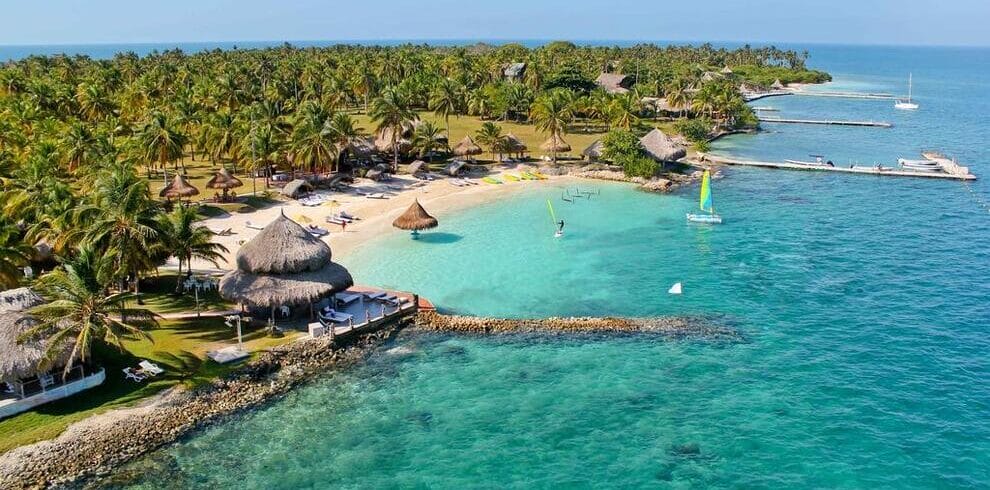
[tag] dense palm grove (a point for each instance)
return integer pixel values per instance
(80, 138)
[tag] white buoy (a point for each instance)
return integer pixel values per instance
(675, 289)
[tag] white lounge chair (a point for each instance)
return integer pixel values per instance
(131, 375)
(374, 294)
(346, 215)
(347, 298)
(150, 368)
(336, 317)
(253, 226)
(316, 231)
(222, 232)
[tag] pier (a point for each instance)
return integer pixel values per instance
(950, 169)
(845, 95)
(875, 124)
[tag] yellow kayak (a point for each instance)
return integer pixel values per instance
(539, 175)
(511, 178)
(491, 180)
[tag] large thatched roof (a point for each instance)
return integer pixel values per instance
(21, 359)
(284, 265)
(594, 150)
(415, 218)
(514, 145)
(661, 147)
(223, 180)
(296, 188)
(179, 187)
(613, 83)
(555, 143)
(467, 147)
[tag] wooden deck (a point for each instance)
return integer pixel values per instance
(951, 170)
(827, 122)
(371, 315)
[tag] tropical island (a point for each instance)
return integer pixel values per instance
(111, 246)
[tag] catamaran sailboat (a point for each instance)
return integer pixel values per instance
(706, 203)
(907, 104)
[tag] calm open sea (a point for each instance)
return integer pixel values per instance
(864, 303)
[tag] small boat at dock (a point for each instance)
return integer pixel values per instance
(819, 161)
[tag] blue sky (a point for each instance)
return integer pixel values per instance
(915, 22)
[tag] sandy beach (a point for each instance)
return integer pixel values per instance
(438, 196)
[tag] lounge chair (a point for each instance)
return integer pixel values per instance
(223, 232)
(335, 221)
(374, 294)
(346, 215)
(391, 300)
(131, 375)
(316, 231)
(336, 316)
(347, 298)
(253, 226)
(150, 368)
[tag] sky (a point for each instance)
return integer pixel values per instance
(901, 22)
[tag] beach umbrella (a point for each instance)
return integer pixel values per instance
(467, 147)
(555, 144)
(178, 188)
(223, 180)
(414, 219)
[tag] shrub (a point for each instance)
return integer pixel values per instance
(694, 130)
(639, 166)
(618, 145)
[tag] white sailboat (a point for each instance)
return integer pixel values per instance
(907, 104)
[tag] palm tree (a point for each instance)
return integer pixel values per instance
(551, 113)
(390, 111)
(264, 148)
(490, 135)
(446, 99)
(79, 309)
(428, 137)
(77, 145)
(159, 141)
(677, 93)
(185, 240)
(220, 135)
(13, 255)
(623, 110)
(340, 129)
(310, 146)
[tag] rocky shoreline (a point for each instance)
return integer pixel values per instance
(669, 182)
(95, 446)
(671, 327)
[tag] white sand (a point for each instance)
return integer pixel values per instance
(439, 197)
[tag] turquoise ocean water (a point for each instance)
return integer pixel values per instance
(863, 305)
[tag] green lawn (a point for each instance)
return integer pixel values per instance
(158, 295)
(178, 346)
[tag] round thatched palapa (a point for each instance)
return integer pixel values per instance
(415, 218)
(223, 180)
(296, 188)
(22, 359)
(594, 150)
(284, 265)
(556, 144)
(661, 147)
(179, 187)
(514, 144)
(467, 147)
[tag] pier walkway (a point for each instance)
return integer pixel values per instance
(844, 95)
(827, 122)
(950, 169)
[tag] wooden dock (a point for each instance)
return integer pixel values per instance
(827, 122)
(951, 170)
(845, 95)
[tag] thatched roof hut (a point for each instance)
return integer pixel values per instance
(467, 147)
(223, 179)
(777, 85)
(178, 188)
(455, 167)
(514, 71)
(284, 265)
(555, 144)
(418, 167)
(22, 359)
(661, 147)
(297, 188)
(663, 105)
(593, 151)
(514, 145)
(415, 218)
(614, 83)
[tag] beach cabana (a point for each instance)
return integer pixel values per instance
(467, 147)
(296, 188)
(225, 181)
(31, 381)
(594, 151)
(514, 145)
(455, 167)
(555, 144)
(661, 147)
(415, 219)
(284, 265)
(179, 188)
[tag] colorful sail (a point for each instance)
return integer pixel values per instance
(706, 202)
